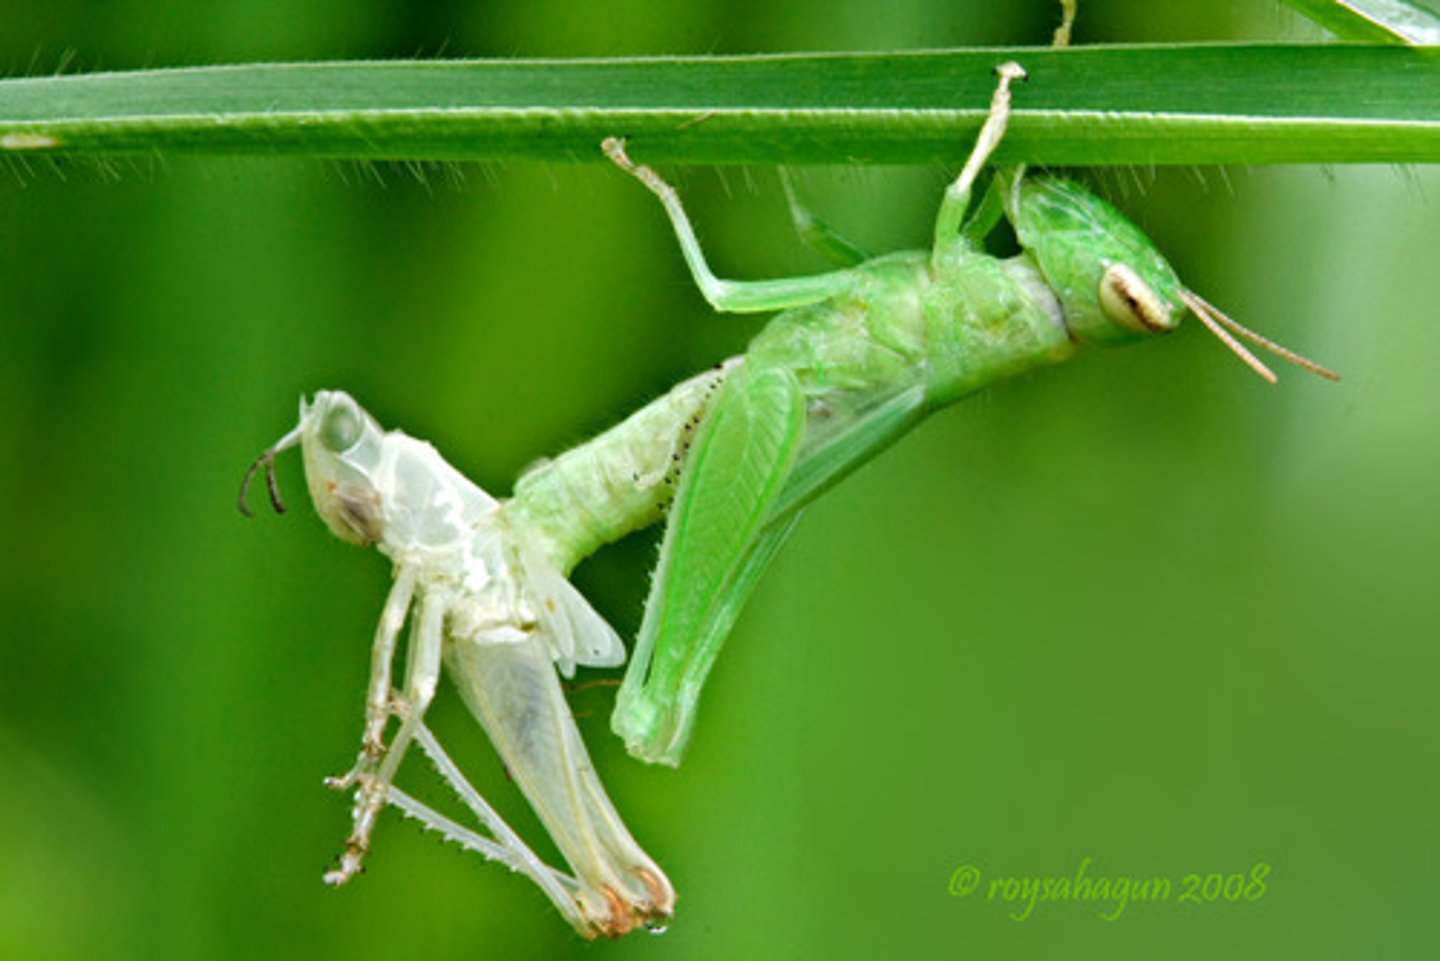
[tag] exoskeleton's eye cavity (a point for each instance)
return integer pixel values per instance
(342, 427)
(1131, 303)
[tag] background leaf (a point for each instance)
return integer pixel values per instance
(1118, 105)
(1374, 21)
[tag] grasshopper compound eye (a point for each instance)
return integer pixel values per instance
(342, 426)
(1132, 303)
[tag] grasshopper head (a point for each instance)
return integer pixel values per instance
(1112, 283)
(341, 444)
(1114, 286)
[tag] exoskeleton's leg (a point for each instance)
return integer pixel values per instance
(512, 689)
(377, 699)
(730, 296)
(422, 674)
(815, 233)
(956, 202)
(526, 859)
(506, 847)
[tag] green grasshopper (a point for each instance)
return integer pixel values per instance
(857, 357)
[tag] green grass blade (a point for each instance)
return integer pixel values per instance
(1374, 21)
(1097, 105)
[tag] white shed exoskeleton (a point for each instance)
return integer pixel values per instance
(502, 618)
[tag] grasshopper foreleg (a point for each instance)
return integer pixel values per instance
(1067, 22)
(815, 233)
(377, 700)
(378, 763)
(956, 202)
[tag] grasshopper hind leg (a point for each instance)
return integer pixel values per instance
(503, 846)
(513, 691)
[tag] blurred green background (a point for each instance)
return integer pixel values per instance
(1143, 608)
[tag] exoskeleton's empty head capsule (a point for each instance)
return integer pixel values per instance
(341, 446)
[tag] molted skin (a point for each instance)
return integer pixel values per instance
(488, 601)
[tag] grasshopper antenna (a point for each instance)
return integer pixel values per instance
(1221, 325)
(267, 461)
